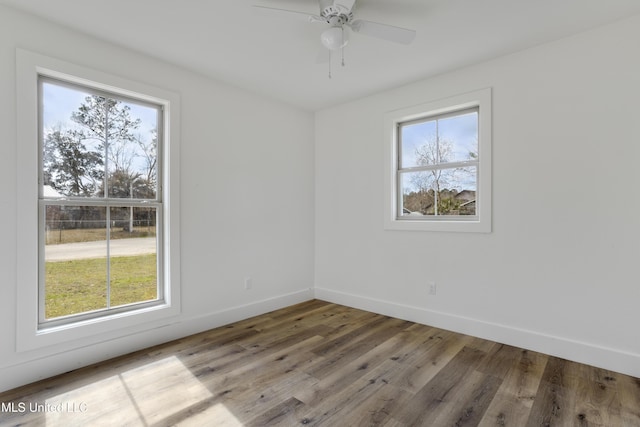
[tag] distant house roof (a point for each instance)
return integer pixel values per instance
(466, 195)
(406, 211)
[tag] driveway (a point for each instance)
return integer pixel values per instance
(82, 250)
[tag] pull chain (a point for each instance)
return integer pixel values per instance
(341, 54)
(343, 44)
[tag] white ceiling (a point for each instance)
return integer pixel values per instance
(276, 55)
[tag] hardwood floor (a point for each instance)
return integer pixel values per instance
(318, 363)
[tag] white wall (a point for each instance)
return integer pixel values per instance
(558, 273)
(247, 204)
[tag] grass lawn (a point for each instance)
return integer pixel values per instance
(80, 285)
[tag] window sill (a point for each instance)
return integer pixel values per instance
(130, 321)
(442, 225)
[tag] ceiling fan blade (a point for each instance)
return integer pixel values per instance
(383, 31)
(310, 17)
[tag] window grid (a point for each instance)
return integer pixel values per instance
(106, 201)
(437, 165)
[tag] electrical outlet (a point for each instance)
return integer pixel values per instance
(248, 282)
(433, 289)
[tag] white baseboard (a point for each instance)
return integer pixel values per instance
(35, 369)
(590, 354)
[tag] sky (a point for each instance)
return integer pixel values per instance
(60, 102)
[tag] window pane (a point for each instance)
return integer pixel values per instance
(442, 140)
(72, 157)
(458, 138)
(94, 145)
(132, 152)
(417, 139)
(133, 250)
(439, 192)
(75, 260)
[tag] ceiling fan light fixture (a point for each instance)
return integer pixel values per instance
(334, 38)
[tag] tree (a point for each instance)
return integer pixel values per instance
(434, 151)
(125, 185)
(435, 189)
(109, 124)
(77, 161)
(150, 158)
(69, 166)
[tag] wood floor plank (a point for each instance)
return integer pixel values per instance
(355, 370)
(341, 352)
(513, 402)
(258, 401)
(255, 373)
(377, 408)
(499, 360)
(428, 402)
(472, 398)
(596, 402)
(553, 399)
(432, 354)
(280, 325)
(217, 368)
(363, 328)
(286, 413)
(318, 363)
(332, 411)
(392, 422)
(628, 389)
(304, 310)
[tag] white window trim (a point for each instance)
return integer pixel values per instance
(29, 66)
(482, 222)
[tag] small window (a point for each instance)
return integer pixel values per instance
(439, 165)
(100, 202)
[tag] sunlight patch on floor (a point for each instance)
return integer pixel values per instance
(145, 395)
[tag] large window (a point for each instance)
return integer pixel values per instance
(98, 195)
(100, 202)
(439, 165)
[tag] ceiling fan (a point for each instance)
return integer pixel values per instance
(338, 14)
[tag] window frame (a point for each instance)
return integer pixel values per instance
(32, 333)
(394, 120)
(103, 201)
